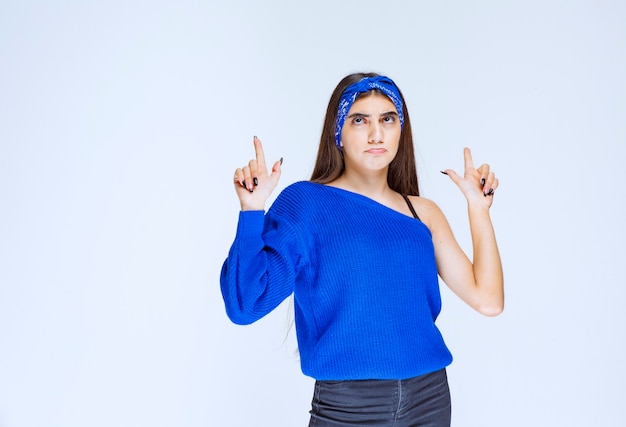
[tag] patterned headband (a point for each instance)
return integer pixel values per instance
(381, 83)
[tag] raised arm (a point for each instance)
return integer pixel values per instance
(259, 272)
(479, 282)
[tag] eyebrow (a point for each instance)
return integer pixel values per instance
(388, 113)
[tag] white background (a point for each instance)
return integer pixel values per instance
(121, 124)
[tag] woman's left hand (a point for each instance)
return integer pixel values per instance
(477, 185)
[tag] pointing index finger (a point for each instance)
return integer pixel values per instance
(467, 155)
(260, 156)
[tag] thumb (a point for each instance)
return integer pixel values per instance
(276, 170)
(453, 175)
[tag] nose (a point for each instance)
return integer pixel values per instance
(376, 133)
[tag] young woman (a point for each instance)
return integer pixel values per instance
(361, 252)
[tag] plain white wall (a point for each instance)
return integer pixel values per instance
(121, 124)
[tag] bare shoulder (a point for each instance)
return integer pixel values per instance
(428, 211)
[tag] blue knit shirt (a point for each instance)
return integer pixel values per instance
(364, 279)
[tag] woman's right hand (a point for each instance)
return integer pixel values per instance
(253, 184)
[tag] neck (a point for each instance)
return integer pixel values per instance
(374, 186)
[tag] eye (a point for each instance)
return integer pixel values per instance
(389, 119)
(358, 120)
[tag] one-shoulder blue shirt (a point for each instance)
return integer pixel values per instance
(364, 279)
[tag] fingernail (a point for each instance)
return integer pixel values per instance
(254, 137)
(490, 192)
(244, 184)
(281, 160)
(482, 182)
(444, 172)
(255, 181)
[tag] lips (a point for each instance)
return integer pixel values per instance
(376, 151)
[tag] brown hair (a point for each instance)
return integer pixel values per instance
(402, 174)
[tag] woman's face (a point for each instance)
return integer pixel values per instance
(371, 133)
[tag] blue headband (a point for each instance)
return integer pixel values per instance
(381, 83)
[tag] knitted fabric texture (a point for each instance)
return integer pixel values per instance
(364, 279)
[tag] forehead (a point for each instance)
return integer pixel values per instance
(374, 101)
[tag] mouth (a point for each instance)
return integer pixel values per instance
(376, 151)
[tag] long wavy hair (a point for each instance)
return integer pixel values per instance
(402, 173)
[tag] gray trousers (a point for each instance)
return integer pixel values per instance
(420, 401)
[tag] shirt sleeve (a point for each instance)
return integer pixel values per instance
(261, 267)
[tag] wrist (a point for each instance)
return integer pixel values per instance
(252, 206)
(478, 208)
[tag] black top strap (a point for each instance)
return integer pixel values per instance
(408, 202)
